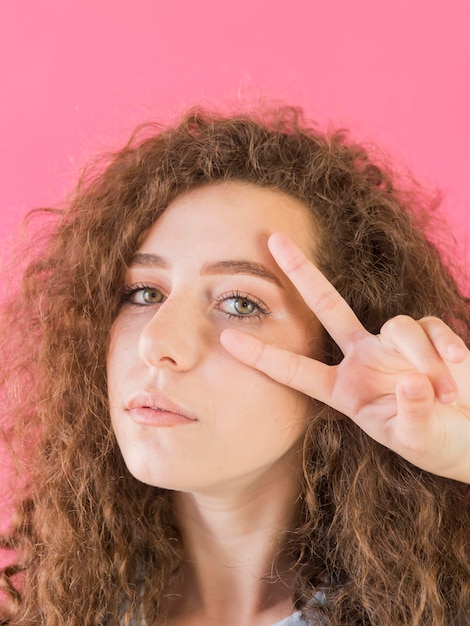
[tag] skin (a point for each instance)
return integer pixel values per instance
(235, 467)
(172, 346)
(407, 387)
(234, 495)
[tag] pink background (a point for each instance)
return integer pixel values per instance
(76, 75)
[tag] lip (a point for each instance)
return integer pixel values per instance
(155, 409)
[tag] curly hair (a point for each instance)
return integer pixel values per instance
(380, 541)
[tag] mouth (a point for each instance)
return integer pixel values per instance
(154, 409)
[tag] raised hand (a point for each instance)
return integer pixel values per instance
(407, 387)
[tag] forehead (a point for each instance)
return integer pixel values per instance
(233, 215)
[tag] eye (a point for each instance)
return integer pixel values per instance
(142, 295)
(241, 306)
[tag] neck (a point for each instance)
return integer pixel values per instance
(235, 569)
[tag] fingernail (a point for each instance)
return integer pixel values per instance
(414, 390)
(446, 390)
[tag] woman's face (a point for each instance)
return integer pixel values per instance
(187, 415)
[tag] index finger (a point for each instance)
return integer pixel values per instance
(321, 297)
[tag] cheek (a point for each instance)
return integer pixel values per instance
(120, 358)
(253, 397)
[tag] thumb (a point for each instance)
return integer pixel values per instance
(415, 407)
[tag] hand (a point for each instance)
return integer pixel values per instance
(407, 387)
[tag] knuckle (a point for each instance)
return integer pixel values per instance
(433, 324)
(296, 263)
(397, 324)
(327, 301)
(431, 319)
(437, 331)
(257, 354)
(292, 368)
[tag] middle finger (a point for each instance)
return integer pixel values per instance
(318, 293)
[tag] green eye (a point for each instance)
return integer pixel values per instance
(238, 306)
(243, 306)
(151, 296)
(142, 295)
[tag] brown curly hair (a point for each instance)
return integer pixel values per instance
(377, 541)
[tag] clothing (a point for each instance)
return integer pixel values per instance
(293, 620)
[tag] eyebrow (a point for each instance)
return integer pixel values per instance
(232, 266)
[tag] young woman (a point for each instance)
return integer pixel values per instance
(236, 379)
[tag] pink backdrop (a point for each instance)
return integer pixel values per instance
(76, 75)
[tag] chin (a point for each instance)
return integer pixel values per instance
(149, 474)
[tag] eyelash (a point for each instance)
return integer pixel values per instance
(130, 291)
(261, 310)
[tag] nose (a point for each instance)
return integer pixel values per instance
(176, 337)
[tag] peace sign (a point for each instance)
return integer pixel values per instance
(407, 387)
